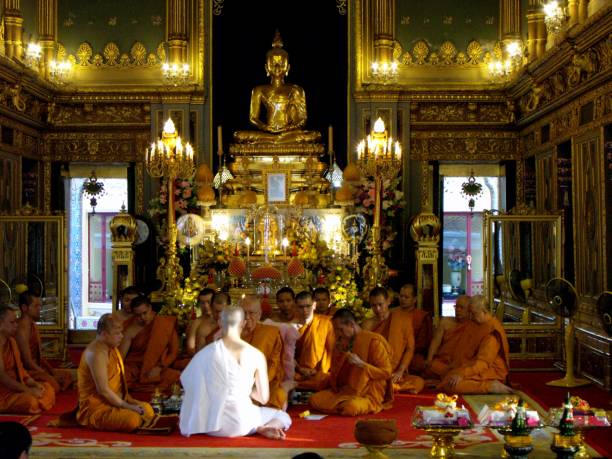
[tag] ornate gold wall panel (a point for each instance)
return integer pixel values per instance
(102, 114)
(546, 180)
(97, 146)
(589, 214)
(464, 145)
(461, 112)
(565, 122)
(568, 69)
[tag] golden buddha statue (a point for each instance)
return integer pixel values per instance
(285, 105)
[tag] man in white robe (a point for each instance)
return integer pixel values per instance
(221, 382)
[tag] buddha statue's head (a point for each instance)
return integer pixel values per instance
(277, 59)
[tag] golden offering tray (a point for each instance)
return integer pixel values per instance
(442, 436)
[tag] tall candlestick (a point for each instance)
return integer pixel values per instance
(219, 141)
(330, 135)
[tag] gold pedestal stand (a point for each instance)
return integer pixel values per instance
(443, 444)
(375, 452)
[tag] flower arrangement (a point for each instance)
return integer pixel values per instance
(185, 201)
(342, 285)
(457, 260)
(392, 203)
(215, 255)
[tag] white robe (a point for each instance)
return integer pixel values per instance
(217, 399)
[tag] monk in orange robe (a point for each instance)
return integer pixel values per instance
(202, 330)
(149, 346)
(314, 347)
(360, 381)
(124, 313)
(28, 340)
(487, 371)
(396, 327)
(266, 338)
(447, 351)
(323, 300)
(104, 402)
(421, 324)
(19, 392)
(285, 306)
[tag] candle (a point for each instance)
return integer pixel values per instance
(330, 135)
(247, 242)
(285, 243)
(219, 141)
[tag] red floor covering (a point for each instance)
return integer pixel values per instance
(534, 385)
(331, 432)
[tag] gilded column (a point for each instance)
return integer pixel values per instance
(536, 30)
(583, 11)
(13, 30)
(177, 30)
(510, 20)
(383, 16)
(47, 31)
(572, 9)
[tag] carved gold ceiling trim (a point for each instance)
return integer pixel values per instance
(113, 57)
(447, 54)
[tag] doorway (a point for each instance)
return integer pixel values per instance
(462, 257)
(89, 245)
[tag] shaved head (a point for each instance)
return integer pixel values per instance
(252, 312)
(107, 322)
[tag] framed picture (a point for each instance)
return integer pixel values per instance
(276, 187)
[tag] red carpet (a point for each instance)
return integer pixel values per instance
(534, 385)
(331, 432)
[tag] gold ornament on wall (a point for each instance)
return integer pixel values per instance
(112, 57)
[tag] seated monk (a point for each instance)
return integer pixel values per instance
(104, 402)
(487, 371)
(210, 329)
(396, 327)
(360, 381)
(28, 341)
(422, 325)
(149, 347)
(125, 300)
(266, 338)
(19, 392)
(314, 348)
(284, 105)
(203, 305)
(323, 300)
(285, 304)
(446, 350)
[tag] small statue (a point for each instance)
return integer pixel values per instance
(285, 105)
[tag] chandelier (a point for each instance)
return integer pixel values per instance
(176, 74)
(510, 62)
(93, 188)
(60, 72)
(384, 72)
(554, 17)
(471, 190)
(33, 54)
(378, 156)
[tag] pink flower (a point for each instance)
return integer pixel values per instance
(177, 192)
(187, 193)
(185, 184)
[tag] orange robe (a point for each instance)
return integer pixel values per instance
(95, 412)
(357, 391)
(490, 362)
(397, 330)
(268, 340)
(458, 346)
(58, 378)
(314, 350)
(155, 345)
(422, 326)
(21, 402)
